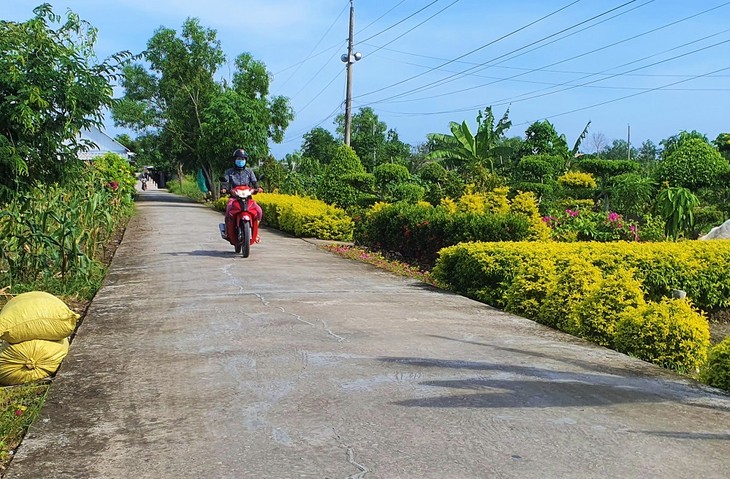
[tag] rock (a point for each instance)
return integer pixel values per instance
(719, 232)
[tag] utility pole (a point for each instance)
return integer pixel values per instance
(628, 141)
(349, 58)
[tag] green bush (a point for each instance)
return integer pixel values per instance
(407, 192)
(333, 187)
(600, 311)
(529, 288)
(670, 333)
(716, 371)
(566, 292)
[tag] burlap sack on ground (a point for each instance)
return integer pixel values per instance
(30, 360)
(36, 315)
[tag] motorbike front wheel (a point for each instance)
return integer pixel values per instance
(246, 238)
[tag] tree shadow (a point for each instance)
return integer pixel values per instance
(517, 386)
(206, 253)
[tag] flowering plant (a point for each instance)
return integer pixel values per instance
(577, 225)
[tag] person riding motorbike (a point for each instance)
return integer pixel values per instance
(239, 175)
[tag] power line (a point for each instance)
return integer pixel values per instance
(309, 55)
(410, 30)
(447, 79)
(400, 21)
(580, 55)
(472, 51)
(379, 18)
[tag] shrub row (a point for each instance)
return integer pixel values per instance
(486, 270)
(305, 217)
(614, 294)
(418, 231)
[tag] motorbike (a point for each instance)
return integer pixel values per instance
(245, 225)
(144, 185)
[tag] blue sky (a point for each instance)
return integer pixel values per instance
(657, 66)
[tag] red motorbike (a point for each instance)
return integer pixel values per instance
(241, 227)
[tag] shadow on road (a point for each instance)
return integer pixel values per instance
(207, 253)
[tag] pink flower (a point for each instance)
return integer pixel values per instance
(613, 216)
(572, 213)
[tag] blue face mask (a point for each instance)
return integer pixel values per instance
(240, 163)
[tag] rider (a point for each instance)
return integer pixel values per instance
(239, 175)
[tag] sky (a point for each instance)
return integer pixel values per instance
(637, 70)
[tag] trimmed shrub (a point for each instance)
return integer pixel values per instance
(716, 371)
(600, 311)
(670, 333)
(334, 187)
(305, 217)
(566, 292)
(529, 288)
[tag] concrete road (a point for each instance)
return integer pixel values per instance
(195, 363)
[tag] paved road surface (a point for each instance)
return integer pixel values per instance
(195, 363)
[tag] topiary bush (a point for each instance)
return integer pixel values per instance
(716, 371)
(669, 333)
(333, 187)
(600, 311)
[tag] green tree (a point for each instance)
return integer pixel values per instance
(542, 138)
(468, 151)
(51, 88)
(319, 144)
(669, 145)
(335, 186)
(694, 163)
(722, 142)
(619, 150)
(371, 139)
(199, 120)
(648, 152)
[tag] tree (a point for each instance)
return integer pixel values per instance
(619, 150)
(334, 188)
(694, 163)
(673, 142)
(319, 144)
(598, 142)
(648, 152)
(468, 151)
(198, 119)
(722, 142)
(371, 139)
(541, 138)
(51, 88)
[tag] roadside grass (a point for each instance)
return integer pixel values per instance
(19, 406)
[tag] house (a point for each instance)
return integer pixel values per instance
(104, 144)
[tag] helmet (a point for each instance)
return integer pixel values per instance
(240, 153)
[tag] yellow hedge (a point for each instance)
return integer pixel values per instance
(305, 217)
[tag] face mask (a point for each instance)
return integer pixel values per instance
(240, 163)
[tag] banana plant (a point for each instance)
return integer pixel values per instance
(676, 205)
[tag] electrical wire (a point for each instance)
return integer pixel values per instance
(472, 51)
(401, 21)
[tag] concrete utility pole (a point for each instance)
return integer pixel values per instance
(349, 58)
(628, 141)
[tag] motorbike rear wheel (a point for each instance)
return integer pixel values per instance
(246, 243)
(239, 240)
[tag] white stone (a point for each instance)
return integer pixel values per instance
(719, 232)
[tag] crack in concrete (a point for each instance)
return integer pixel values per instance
(351, 459)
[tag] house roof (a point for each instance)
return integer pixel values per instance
(104, 144)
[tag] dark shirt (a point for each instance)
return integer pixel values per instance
(238, 177)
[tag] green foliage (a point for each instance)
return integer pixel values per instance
(697, 267)
(676, 206)
(320, 145)
(692, 164)
(579, 225)
(271, 174)
(716, 371)
(529, 288)
(305, 217)
(466, 150)
(418, 231)
(670, 333)
(199, 120)
(605, 169)
(577, 281)
(51, 88)
(407, 192)
(541, 138)
(670, 145)
(388, 176)
(539, 168)
(632, 193)
(600, 311)
(188, 188)
(334, 187)
(19, 407)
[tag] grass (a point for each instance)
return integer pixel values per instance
(19, 406)
(377, 259)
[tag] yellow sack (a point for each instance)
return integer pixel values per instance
(30, 360)
(36, 315)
